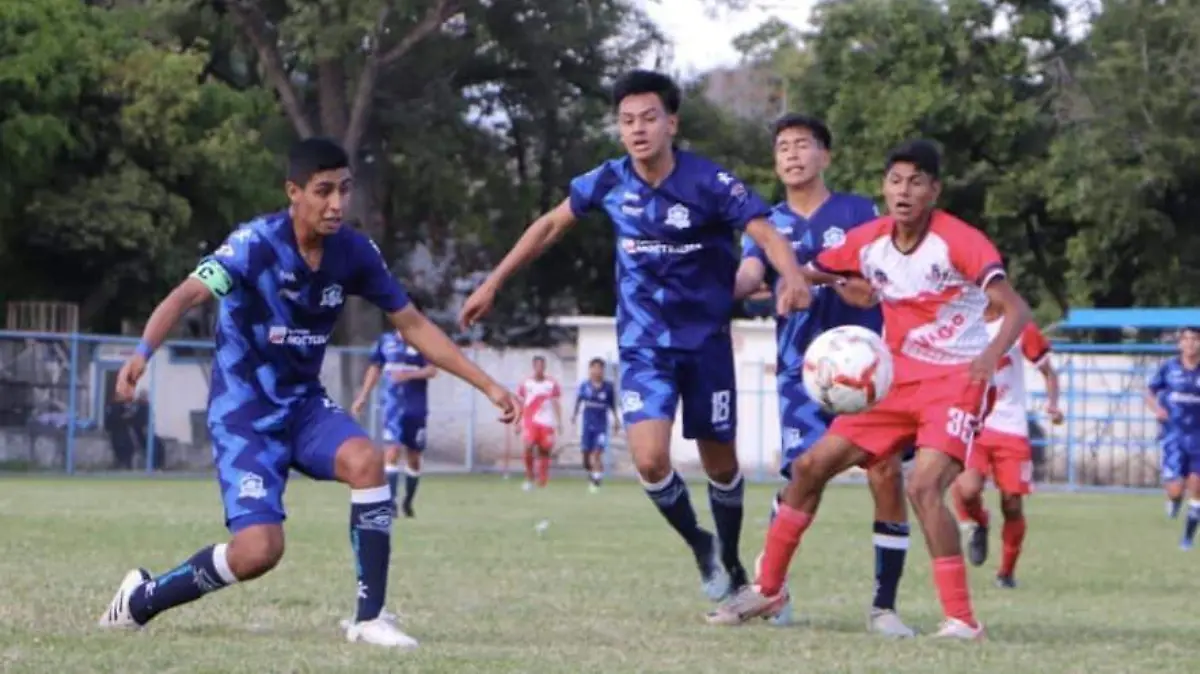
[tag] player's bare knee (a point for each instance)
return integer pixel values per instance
(1011, 506)
(391, 455)
(651, 467)
(969, 485)
(359, 465)
(719, 459)
(255, 550)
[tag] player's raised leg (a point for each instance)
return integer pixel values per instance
(708, 386)
(649, 398)
(252, 471)
(890, 530)
(967, 493)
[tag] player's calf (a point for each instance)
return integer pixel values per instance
(973, 517)
(1013, 537)
(412, 480)
(726, 499)
(1193, 513)
(360, 467)
(890, 537)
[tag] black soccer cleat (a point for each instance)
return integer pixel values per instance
(408, 511)
(1006, 582)
(977, 545)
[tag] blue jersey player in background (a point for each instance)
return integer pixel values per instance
(282, 280)
(596, 397)
(1174, 396)
(675, 215)
(813, 219)
(406, 376)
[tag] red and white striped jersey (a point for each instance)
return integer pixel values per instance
(1010, 414)
(535, 395)
(932, 296)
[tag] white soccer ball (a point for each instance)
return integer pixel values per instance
(847, 369)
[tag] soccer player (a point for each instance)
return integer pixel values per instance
(815, 219)
(1174, 396)
(1002, 450)
(935, 275)
(675, 215)
(596, 397)
(542, 399)
(281, 280)
(405, 409)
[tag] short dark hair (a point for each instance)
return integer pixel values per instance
(637, 82)
(311, 156)
(921, 153)
(539, 358)
(816, 127)
(1195, 329)
(596, 361)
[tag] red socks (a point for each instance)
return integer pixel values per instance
(528, 466)
(969, 511)
(543, 469)
(1013, 535)
(950, 577)
(782, 540)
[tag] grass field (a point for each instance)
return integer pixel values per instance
(606, 588)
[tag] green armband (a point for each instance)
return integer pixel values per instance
(214, 277)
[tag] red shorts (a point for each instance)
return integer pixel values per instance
(1006, 458)
(939, 414)
(536, 435)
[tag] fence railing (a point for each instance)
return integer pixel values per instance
(57, 411)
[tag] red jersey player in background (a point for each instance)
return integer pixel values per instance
(935, 276)
(540, 396)
(1002, 450)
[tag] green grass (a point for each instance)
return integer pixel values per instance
(607, 588)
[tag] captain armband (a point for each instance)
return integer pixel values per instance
(214, 277)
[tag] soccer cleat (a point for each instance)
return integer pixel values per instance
(977, 545)
(381, 631)
(594, 488)
(888, 623)
(117, 616)
(1006, 582)
(953, 628)
(714, 580)
(747, 604)
(408, 511)
(1185, 545)
(527, 486)
(784, 617)
(1173, 508)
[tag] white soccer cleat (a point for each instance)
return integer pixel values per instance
(117, 615)
(714, 579)
(381, 631)
(747, 604)
(888, 623)
(784, 617)
(594, 488)
(953, 628)
(527, 486)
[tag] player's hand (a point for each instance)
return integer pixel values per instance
(399, 376)
(478, 305)
(1161, 414)
(356, 408)
(857, 292)
(128, 377)
(507, 402)
(792, 295)
(1055, 414)
(983, 367)
(616, 427)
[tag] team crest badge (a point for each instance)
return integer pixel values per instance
(678, 217)
(331, 296)
(834, 237)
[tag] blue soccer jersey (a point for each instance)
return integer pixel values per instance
(405, 403)
(268, 411)
(1178, 391)
(676, 264)
(596, 402)
(801, 419)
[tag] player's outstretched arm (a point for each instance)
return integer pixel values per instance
(370, 379)
(1052, 390)
(539, 236)
(439, 350)
(794, 294)
(192, 292)
(1016, 315)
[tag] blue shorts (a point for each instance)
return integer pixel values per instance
(406, 430)
(253, 466)
(654, 380)
(593, 440)
(1180, 456)
(802, 422)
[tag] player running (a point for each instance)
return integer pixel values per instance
(674, 214)
(814, 219)
(282, 280)
(1002, 450)
(935, 275)
(1174, 396)
(596, 397)
(542, 399)
(405, 410)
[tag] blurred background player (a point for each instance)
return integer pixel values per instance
(542, 399)
(935, 276)
(268, 412)
(1002, 451)
(814, 218)
(1174, 396)
(596, 397)
(674, 214)
(405, 409)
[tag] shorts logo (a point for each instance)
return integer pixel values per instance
(331, 296)
(419, 439)
(792, 437)
(251, 486)
(631, 401)
(388, 435)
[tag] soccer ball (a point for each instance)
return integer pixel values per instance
(847, 370)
